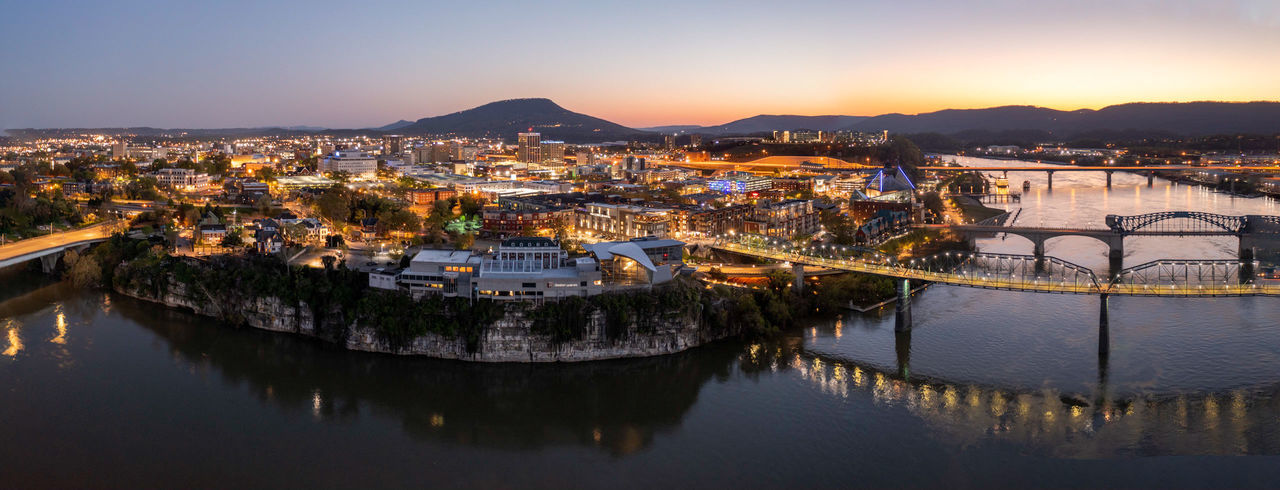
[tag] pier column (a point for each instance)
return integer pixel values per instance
(1104, 330)
(902, 347)
(797, 280)
(1050, 172)
(1151, 179)
(49, 263)
(1037, 248)
(902, 313)
(1108, 172)
(1246, 256)
(1116, 255)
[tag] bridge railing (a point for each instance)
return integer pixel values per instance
(1176, 221)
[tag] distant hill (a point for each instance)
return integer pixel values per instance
(506, 118)
(675, 128)
(1181, 118)
(769, 122)
(765, 123)
(393, 126)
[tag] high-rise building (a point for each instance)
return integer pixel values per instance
(633, 163)
(552, 152)
(530, 149)
(392, 144)
(669, 141)
(119, 150)
(695, 140)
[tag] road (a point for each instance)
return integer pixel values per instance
(32, 245)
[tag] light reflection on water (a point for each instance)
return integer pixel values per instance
(986, 376)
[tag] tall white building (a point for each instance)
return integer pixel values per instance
(359, 164)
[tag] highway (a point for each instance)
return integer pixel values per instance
(32, 245)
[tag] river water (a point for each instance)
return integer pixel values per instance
(991, 389)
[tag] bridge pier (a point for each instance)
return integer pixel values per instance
(1151, 179)
(1050, 172)
(902, 347)
(1108, 179)
(49, 263)
(797, 280)
(1037, 249)
(902, 308)
(1104, 332)
(1115, 255)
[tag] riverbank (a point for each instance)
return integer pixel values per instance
(337, 306)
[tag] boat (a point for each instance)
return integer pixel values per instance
(1026, 185)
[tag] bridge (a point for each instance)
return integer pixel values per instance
(1162, 278)
(1254, 231)
(50, 247)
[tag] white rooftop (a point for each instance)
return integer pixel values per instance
(443, 256)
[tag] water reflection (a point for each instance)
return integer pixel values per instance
(13, 337)
(622, 407)
(618, 406)
(1046, 422)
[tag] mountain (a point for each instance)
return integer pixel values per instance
(674, 128)
(765, 123)
(1182, 118)
(768, 122)
(393, 126)
(507, 117)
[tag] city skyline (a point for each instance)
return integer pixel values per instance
(345, 66)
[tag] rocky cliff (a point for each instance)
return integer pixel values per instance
(509, 339)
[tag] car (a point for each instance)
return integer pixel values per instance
(370, 263)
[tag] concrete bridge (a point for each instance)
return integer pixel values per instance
(1254, 231)
(1148, 170)
(49, 248)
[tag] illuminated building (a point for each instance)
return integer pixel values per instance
(392, 144)
(552, 152)
(530, 148)
(740, 183)
(359, 164)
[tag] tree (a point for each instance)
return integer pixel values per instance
(263, 204)
(342, 176)
(334, 205)
(86, 272)
(465, 241)
(328, 261)
(232, 240)
(470, 205)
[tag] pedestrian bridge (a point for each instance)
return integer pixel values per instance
(1041, 274)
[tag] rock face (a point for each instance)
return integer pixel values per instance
(510, 339)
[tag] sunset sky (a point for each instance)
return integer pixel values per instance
(360, 64)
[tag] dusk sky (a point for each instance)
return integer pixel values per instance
(359, 64)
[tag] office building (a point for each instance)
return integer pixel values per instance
(392, 144)
(529, 149)
(359, 164)
(622, 220)
(552, 152)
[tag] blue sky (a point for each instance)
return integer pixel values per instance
(358, 64)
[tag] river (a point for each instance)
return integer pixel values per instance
(991, 389)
